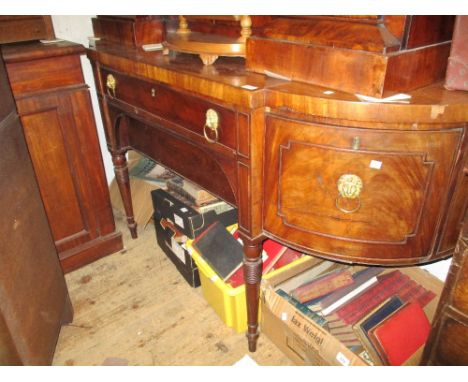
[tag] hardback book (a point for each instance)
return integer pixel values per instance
(191, 191)
(375, 317)
(401, 334)
(323, 285)
(272, 251)
(287, 257)
(322, 266)
(362, 280)
(319, 320)
(220, 250)
(388, 285)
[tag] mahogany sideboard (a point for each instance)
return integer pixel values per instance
(54, 105)
(318, 170)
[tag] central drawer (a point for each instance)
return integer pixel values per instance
(181, 108)
(357, 194)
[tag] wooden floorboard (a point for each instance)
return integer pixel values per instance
(134, 308)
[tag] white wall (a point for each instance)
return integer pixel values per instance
(78, 29)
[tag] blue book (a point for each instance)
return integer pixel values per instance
(383, 312)
(362, 327)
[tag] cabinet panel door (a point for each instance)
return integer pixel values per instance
(63, 145)
(358, 194)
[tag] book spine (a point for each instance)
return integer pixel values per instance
(359, 278)
(349, 296)
(323, 286)
(180, 190)
(352, 312)
(302, 308)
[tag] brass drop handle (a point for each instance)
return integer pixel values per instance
(349, 187)
(111, 84)
(211, 125)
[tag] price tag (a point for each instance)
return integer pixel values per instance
(179, 221)
(341, 358)
(375, 164)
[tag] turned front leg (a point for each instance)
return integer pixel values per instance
(123, 181)
(253, 277)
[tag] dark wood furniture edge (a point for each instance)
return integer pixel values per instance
(92, 251)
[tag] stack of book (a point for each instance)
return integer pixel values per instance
(222, 249)
(377, 313)
(190, 192)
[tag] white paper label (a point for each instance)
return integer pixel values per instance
(284, 316)
(178, 250)
(341, 358)
(179, 221)
(375, 164)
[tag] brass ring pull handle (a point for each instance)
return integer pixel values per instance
(211, 124)
(111, 84)
(349, 191)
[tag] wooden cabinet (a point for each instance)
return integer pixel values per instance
(25, 27)
(55, 109)
(369, 195)
(34, 300)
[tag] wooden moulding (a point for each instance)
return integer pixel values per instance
(355, 71)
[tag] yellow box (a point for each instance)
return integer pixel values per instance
(228, 302)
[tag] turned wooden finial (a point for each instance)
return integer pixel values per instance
(246, 24)
(183, 25)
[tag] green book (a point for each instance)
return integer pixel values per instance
(319, 320)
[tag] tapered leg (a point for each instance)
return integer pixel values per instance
(253, 277)
(123, 181)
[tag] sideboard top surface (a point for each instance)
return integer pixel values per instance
(229, 81)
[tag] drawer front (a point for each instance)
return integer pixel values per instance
(183, 109)
(357, 194)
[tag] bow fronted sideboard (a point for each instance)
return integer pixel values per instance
(326, 172)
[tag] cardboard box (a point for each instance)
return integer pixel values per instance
(305, 342)
(188, 220)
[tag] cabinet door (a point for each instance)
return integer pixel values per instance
(63, 144)
(33, 295)
(358, 194)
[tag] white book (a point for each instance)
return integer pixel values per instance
(349, 296)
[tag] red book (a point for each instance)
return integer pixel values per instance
(388, 285)
(400, 335)
(323, 285)
(272, 251)
(288, 257)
